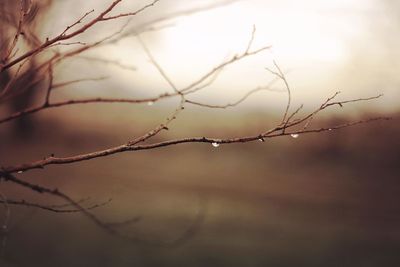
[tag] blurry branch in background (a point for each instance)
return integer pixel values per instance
(108, 62)
(151, 25)
(111, 228)
(278, 73)
(54, 208)
(67, 83)
(4, 226)
(292, 124)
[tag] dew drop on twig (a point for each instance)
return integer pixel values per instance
(150, 103)
(295, 135)
(261, 139)
(215, 144)
(20, 172)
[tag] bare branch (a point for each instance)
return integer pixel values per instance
(108, 61)
(4, 226)
(239, 101)
(22, 15)
(67, 83)
(50, 85)
(76, 102)
(148, 26)
(52, 208)
(223, 65)
(77, 22)
(110, 227)
(279, 130)
(131, 13)
(280, 74)
(157, 65)
(66, 36)
(253, 35)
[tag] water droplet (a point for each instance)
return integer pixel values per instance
(330, 129)
(261, 139)
(215, 144)
(295, 135)
(150, 103)
(20, 172)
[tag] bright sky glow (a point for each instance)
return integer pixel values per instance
(326, 46)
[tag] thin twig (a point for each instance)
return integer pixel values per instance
(53, 208)
(49, 86)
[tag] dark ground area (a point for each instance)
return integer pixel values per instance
(328, 199)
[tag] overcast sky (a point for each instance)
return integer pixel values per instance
(346, 45)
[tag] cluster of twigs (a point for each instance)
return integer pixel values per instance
(292, 123)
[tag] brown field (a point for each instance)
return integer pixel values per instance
(328, 199)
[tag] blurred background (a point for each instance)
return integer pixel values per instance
(328, 199)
